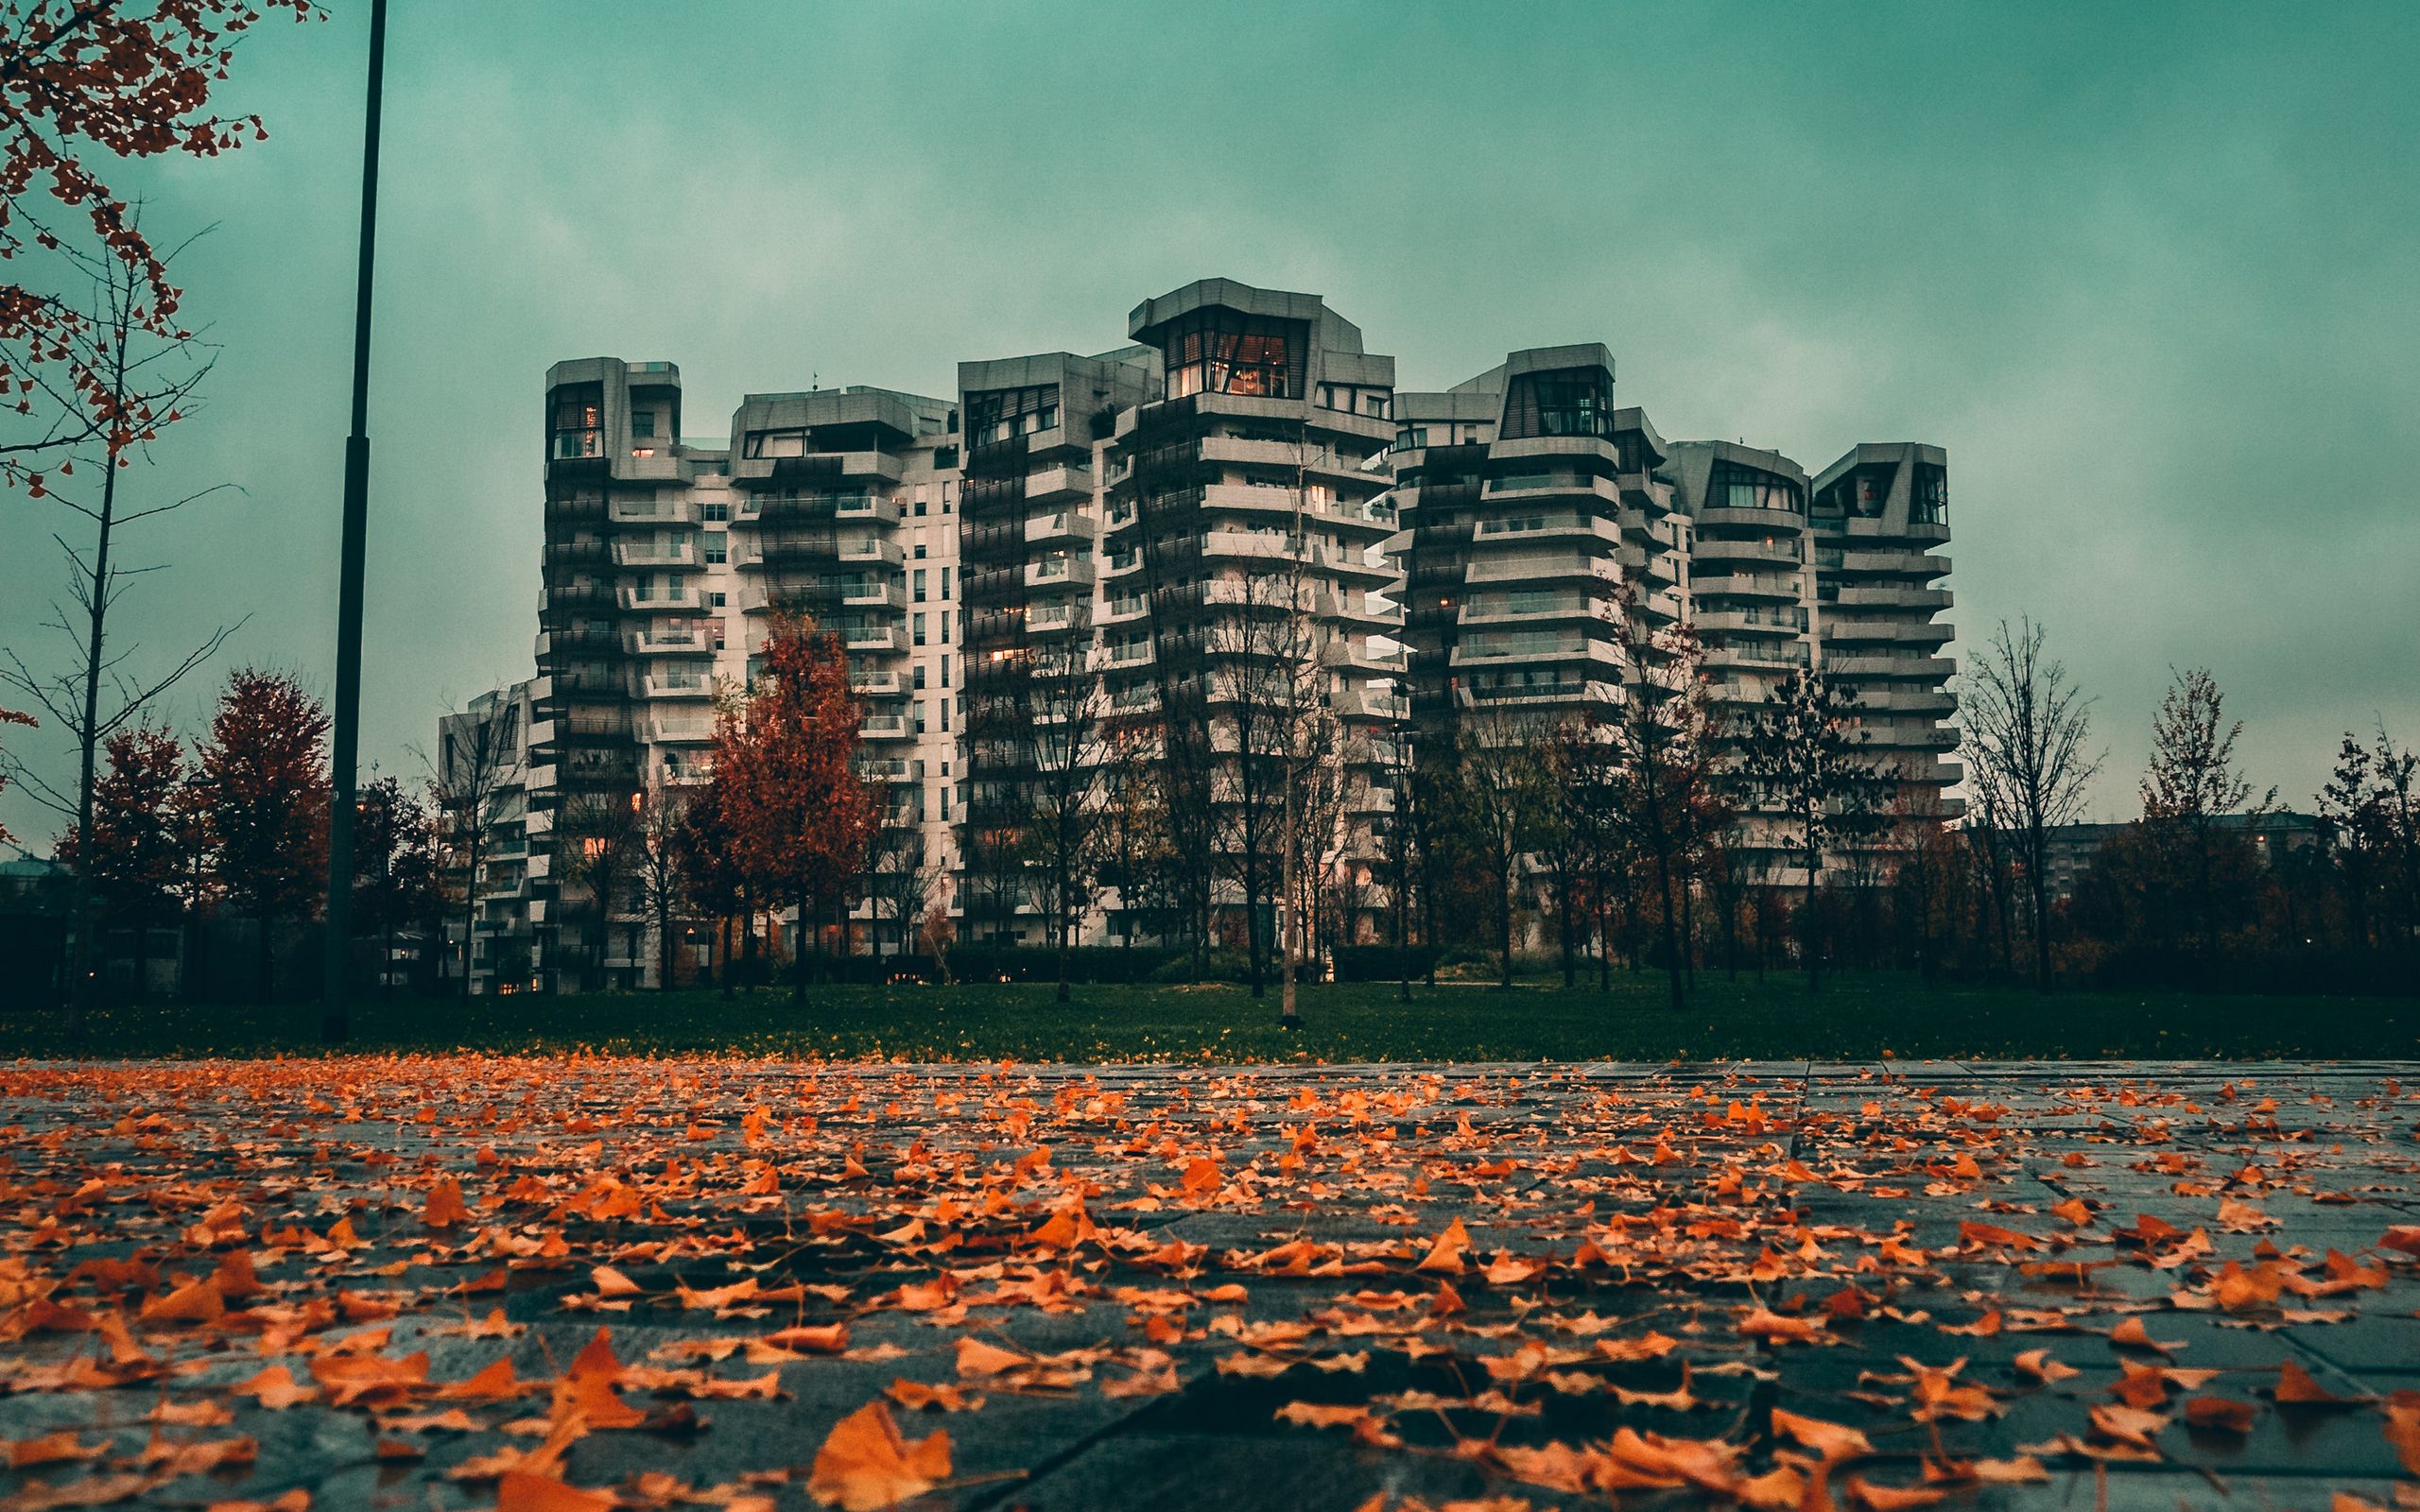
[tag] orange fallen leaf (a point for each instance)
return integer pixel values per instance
(1827, 1439)
(2219, 1414)
(865, 1465)
(525, 1491)
(445, 1207)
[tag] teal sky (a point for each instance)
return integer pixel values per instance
(2150, 273)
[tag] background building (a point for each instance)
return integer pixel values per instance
(1227, 547)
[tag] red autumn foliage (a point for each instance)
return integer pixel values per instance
(81, 82)
(786, 791)
(265, 779)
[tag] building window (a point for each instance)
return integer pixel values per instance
(791, 442)
(718, 602)
(1221, 352)
(579, 421)
(717, 513)
(919, 621)
(1932, 504)
(944, 669)
(718, 547)
(919, 677)
(1000, 415)
(919, 585)
(1736, 487)
(642, 424)
(945, 572)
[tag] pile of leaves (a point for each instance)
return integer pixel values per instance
(570, 1284)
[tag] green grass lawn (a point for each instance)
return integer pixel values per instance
(1852, 1017)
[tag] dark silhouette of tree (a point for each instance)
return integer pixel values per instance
(658, 875)
(1500, 803)
(1808, 760)
(264, 770)
(137, 855)
(137, 373)
(81, 82)
(394, 866)
(2191, 785)
(1067, 750)
(10, 717)
(1660, 781)
(596, 836)
(786, 755)
(708, 871)
(478, 754)
(2368, 807)
(2028, 732)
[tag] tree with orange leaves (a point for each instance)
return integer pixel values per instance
(81, 82)
(786, 787)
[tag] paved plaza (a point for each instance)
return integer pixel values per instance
(574, 1284)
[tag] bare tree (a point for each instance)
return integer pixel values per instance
(2028, 732)
(1500, 798)
(1663, 746)
(1067, 712)
(1807, 758)
(659, 877)
(478, 755)
(141, 377)
(595, 836)
(2193, 783)
(1136, 857)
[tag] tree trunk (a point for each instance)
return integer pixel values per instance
(1811, 929)
(1504, 921)
(1562, 906)
(1671, 929)
(798, 974)
(1689, 935)
(2040, 888)
(470, 914)
(267, 963)
(722, 955)
(80, 989)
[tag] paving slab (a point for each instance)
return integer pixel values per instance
(1197, 1287)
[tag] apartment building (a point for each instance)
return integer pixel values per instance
(1245, 541)
(1878, 518)
(1230, 544)
(665, 560)
(483, 767)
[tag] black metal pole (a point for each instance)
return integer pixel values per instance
(333, 1019)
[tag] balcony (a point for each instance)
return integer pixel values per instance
(639, 598)
(654, 641)
(871, 684)
(1533, 568)
(867, 508)
(655, 553)
(1052, 484)
(1060, 572)
(677, 728)
(1066, 527)
(872, 594)
(885, 727)
(631, 509)
(677, 685)
(1051, 618)
(874, 637)
(1781, 551)
(869, 549)
(1745, 585)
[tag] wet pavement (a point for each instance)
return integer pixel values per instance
(1777, 1284)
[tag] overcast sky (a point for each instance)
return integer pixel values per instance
(2151, 274)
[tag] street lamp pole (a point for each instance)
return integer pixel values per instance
(347, 720)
